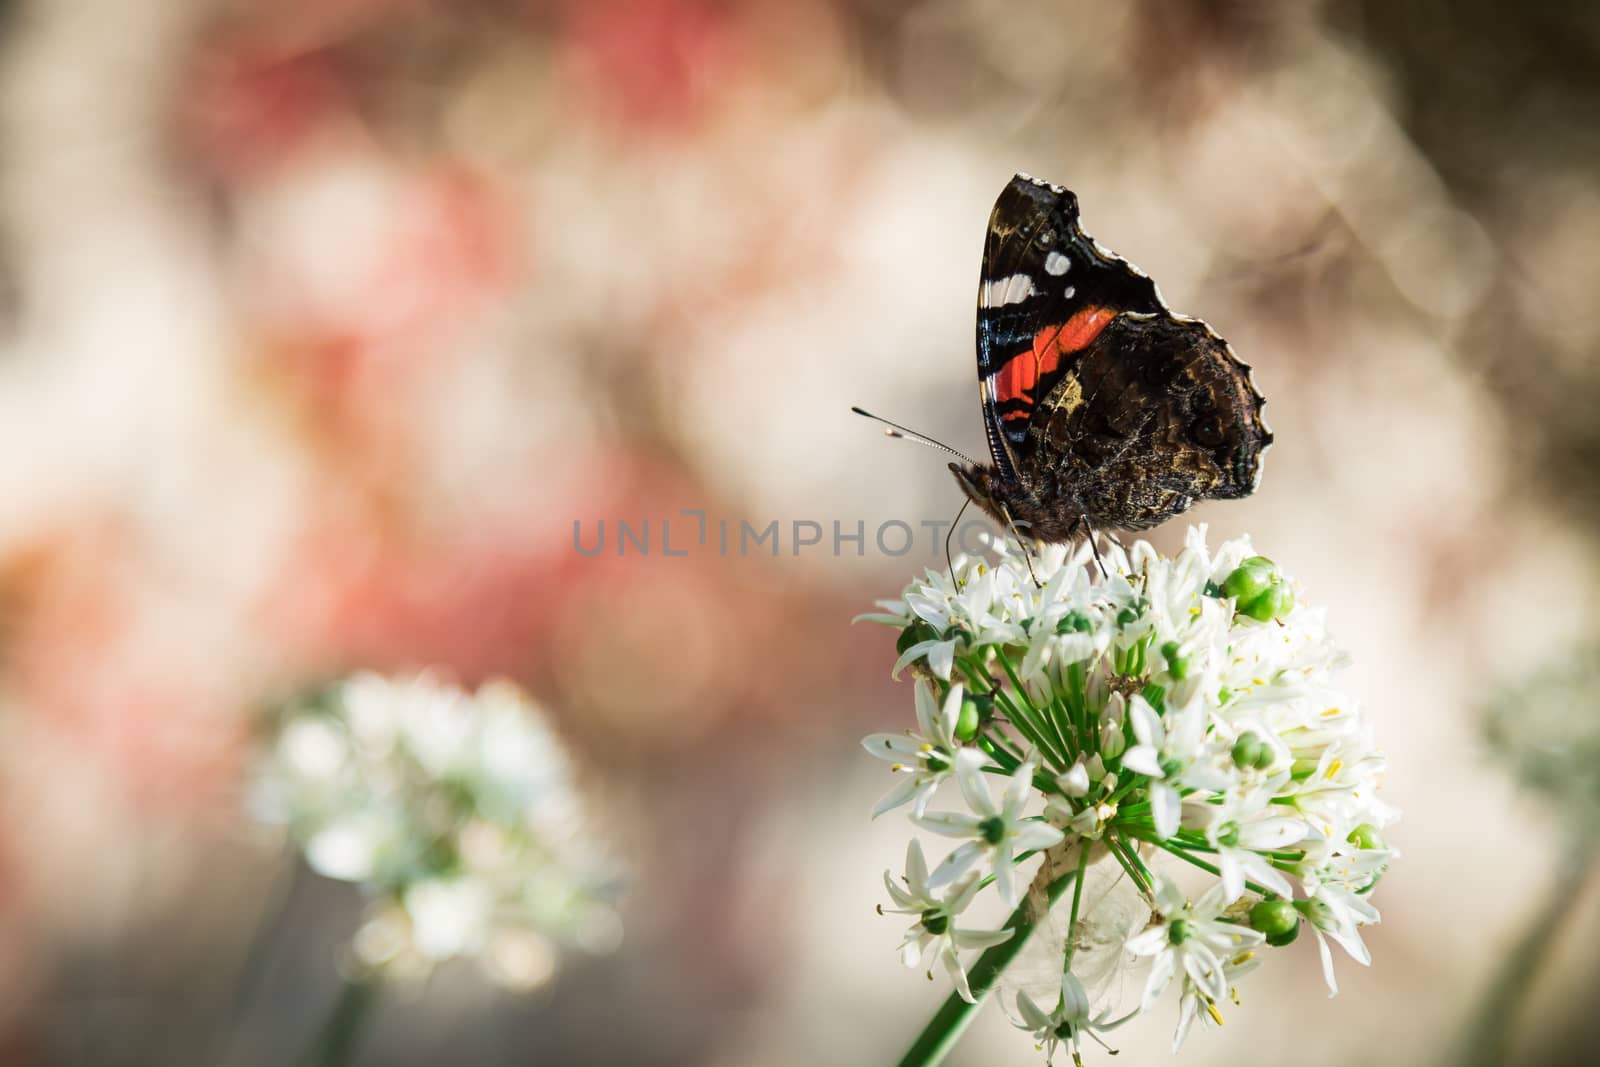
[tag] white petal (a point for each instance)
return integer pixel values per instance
(949, 715)
(1144, 759)
(956, 864)
(1017, 790)
(941, 657)
(1169, 898)
(1167, 808)
(1148, 942)
(902, 899)
(1074, 1001)
(1327, 963)
(916, 869)
(1146, 723)
(1188, 1008)
(982, 938)
(1266, 874)
(1035, 835)
(1161, 971)
(1205, 970)
(925, 790)
(1005, 882)
(896, 748)
(912, 654)
(958, 974)
(948, 823)
(927, 710)
(1031, 1015)
(902, 792)
(975, 789)
(1277, 832)
(1232, 876)
(1075, 783)
(961, 894)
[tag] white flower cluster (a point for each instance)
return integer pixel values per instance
(1181, 710)
(454, 811)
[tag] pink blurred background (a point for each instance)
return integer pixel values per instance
(322, 323)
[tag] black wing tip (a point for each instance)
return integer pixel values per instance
(1044, 192)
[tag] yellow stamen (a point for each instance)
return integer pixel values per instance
(1334, 768)
(1330, 713)
(1212, 1008)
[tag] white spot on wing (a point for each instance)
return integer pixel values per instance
(998, 292)
(1072, 291)
(1056, 264)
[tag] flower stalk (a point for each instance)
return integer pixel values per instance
(942, 1031)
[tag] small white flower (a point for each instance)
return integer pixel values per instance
(935, 933)
(1191, 939)
(1193, 998)
(1075, 783)
(1339, 914)
(453, 811)
(996, 831)
(1167, 746)
(1068, 1023)
(925, 758)
(1241, 828)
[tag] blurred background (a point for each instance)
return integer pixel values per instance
(322, 323)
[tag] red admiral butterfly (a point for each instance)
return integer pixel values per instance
(1104, 410)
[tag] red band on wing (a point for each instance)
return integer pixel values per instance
(1050, 346)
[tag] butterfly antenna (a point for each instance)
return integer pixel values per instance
(894, 429)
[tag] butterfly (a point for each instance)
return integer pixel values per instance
(1103, 409)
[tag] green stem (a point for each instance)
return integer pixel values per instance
(952, 1019)
(340, 1034)
(1129, 859)
(1204, 866)
(1077, 898)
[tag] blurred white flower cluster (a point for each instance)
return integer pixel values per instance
(1177, 710)
(455, 812)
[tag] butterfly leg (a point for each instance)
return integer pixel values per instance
(1027, 553)
(1089, 531)
(949, 562)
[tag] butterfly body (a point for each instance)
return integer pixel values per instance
(1101, 406)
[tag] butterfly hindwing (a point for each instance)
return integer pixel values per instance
(1154, 415)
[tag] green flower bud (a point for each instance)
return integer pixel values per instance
(917, 632)
(976, 711)
(1228, 836)
(1177, 665)
(1258, 590)
(1127, 616)
(935, 921)
(1247, 750)
(1074, 622)
(1275, 918)
(1365, 836)
(1285, 938)
(1265, 758)
(1179, 931)
(1274, 602)
(1250, 578)
(993, 830)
